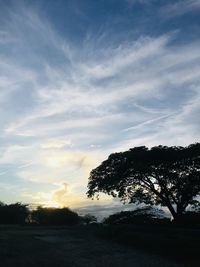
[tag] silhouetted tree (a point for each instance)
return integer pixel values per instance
(55, 216)
(13, 213)
(169, 176)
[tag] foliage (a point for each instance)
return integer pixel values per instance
(146, 215)
(55, 216)
(13, 213)
(169, 176)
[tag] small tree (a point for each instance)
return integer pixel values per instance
(169, 176)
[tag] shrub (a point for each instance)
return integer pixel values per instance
(145, 216)
(13, 214)
(54, 216)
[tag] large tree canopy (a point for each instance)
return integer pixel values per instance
(169, 176)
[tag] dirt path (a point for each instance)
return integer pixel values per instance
(70, 248)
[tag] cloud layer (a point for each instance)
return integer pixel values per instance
(66, 106)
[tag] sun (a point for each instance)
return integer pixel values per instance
(55, 161)
(51, 204)
(46, 200)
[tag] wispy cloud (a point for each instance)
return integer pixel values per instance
(142, 2)
(180, 8)
(50, 144)
(148, 122)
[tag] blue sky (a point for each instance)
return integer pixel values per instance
(82, 79)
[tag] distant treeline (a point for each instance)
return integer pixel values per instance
(21, 214)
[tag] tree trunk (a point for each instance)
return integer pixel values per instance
(170, 208)
(172, 211)
(179, 213)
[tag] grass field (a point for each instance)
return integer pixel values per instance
(172, 242)
(23, 246)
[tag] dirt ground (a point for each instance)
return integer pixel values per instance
(70, 247)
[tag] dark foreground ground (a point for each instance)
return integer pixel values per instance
(71, 247)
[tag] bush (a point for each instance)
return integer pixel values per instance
(141, 216)
(54, 216)
(13, 214)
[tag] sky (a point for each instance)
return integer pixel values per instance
(80, 79)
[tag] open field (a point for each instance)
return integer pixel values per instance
(71, 247)
(173, 242)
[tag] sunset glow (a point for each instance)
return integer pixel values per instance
(82, 79)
